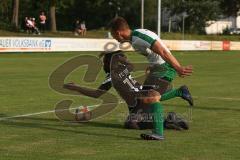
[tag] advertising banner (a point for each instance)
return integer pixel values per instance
(45, 44)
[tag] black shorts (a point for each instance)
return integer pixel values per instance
(140, 117)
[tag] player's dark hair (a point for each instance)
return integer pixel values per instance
(118, 23)
(107, 59)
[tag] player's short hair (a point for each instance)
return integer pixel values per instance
(118, 23)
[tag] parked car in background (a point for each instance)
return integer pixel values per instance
(235, 31)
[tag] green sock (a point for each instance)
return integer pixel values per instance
(171, 94)
(157, 111)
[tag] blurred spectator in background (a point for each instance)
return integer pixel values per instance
(31, 24)
(26, 26)
(42, 18)
(34, 22)
(77, 28)
(83, 28)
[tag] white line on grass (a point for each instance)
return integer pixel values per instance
(52, 111)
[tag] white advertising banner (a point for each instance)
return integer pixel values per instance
(188, 45)
(235, 46)
(17, 44)
(37, 44)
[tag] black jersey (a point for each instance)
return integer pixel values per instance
(107, 83)
(122, 81)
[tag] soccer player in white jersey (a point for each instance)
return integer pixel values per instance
(163, 65)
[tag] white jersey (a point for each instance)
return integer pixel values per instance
(142, 41)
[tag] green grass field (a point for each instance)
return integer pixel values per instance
(214, 129)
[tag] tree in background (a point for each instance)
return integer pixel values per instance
(200, 12)
(5, 13)
(150, 14)
(230, 7)
(196, 13)
(97, 13)
(15, 13)
(52, 11)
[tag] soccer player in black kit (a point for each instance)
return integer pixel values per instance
(117, 69)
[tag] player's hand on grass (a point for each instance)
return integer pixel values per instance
(185, 71)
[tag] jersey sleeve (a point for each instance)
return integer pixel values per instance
(107, 83)
(144, 38)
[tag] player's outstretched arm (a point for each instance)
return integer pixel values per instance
(85, 91)
(164, 53)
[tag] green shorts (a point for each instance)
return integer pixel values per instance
(165, 71)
